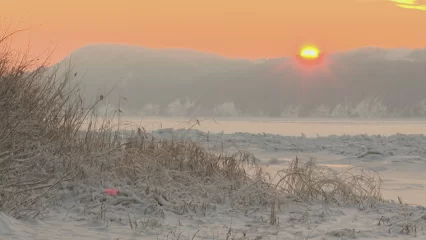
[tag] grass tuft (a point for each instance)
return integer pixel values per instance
(313, 182)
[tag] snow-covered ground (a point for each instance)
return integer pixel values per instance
(295, 221)
(400, 160)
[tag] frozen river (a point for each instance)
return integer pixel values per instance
(287, 127)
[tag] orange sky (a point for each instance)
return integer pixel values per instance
(236, 28)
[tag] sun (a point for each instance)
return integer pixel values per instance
(309, 52)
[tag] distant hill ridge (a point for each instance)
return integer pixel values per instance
(367, 82)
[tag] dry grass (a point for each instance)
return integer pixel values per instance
(49, 137)
(40, 116)
(313, 182)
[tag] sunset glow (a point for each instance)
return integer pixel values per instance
(242, 29)
(410, 4)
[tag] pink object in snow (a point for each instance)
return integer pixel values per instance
(112, 192)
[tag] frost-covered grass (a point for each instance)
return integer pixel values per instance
(51, 139)
(311, 181)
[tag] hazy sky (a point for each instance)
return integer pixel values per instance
(235, 28)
